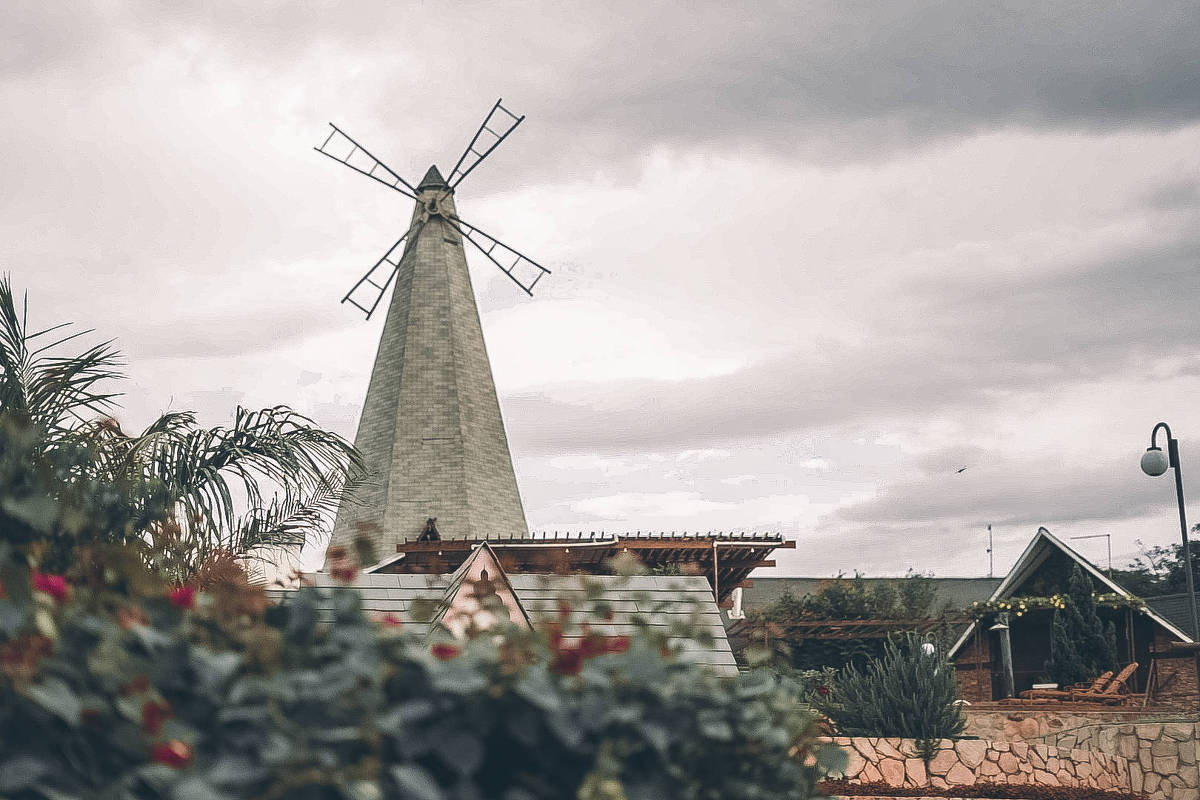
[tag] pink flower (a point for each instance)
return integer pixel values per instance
(182, 597)
(390, 621)
(53, 585)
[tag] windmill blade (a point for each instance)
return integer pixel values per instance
(344, 150)
(496, 127)
(525, 272)
(374, 284)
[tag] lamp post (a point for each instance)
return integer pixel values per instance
(1006, 665)
(1155, 463)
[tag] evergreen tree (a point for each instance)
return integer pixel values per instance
(909, 692)
(1080, 645)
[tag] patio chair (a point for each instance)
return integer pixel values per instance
(1095, 685)
(1116, 692)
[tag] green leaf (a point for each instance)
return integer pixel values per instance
(56, 697)
(22, 772)
(194, 788)
(404, 715)
(416, 784)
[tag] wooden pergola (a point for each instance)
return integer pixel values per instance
(726, 559)
(745, 631)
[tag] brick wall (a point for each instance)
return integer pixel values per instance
(974, 683)
(1174, 680)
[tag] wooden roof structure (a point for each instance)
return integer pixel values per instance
(724, 559)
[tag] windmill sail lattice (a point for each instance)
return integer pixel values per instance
(431, 431)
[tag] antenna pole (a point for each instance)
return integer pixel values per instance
(991, 555)
(1107, 536)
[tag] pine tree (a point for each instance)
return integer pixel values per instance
(1080, 645)
(908, 692)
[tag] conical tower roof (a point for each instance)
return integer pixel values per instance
(431, 432)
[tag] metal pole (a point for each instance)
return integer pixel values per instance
(991, 555)
(1006, 663)
(1173, 456)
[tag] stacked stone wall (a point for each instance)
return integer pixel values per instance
(1161, 751)
(1162, 756)
(965, 762)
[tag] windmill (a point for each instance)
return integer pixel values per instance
(431, 432)
(496, 127)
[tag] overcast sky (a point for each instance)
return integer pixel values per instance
(810, 259)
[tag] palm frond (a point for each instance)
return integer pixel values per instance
(56, 392)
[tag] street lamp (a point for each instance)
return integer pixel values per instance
(1006, 664)
(1155, 463)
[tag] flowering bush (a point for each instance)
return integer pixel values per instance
(125, 687)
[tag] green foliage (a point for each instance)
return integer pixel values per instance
(117, 684)
(269, 480)
(1081, 647)
(908, 598)
(906, 693)
(131, 693)
(1159, 570)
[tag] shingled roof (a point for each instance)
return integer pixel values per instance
(661, 602)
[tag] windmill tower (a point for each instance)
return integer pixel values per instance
(431, 433)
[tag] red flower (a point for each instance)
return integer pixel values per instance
(390, 620)
(823, 691)
(444, 652)
(344, 572)
(554, 632)
(174, 753)
(182, 597)
(154, 714)
(592, 645)
(618, 644)
(567, 662)
(53, 585)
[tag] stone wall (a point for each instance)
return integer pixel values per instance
(968, 761)
(1161, 750)
(1162, 756)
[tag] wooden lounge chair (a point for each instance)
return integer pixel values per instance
(1116, 692)
(1095, 685)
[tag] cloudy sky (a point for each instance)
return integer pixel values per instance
(810, 259)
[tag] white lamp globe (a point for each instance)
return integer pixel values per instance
(1154, 462)
(928, 648)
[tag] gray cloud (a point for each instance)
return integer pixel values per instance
(612, 80)
(945, 342)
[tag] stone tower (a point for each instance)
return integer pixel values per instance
(430, 431)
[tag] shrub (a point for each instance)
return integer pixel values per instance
(1080, 645)
(906, 692)
(115, 685)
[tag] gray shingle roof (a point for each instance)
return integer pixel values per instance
(955, 593)
(1175, 608)
(658, 601)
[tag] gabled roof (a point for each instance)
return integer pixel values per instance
(461, 601)
(1035, 554)
(663, 603)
